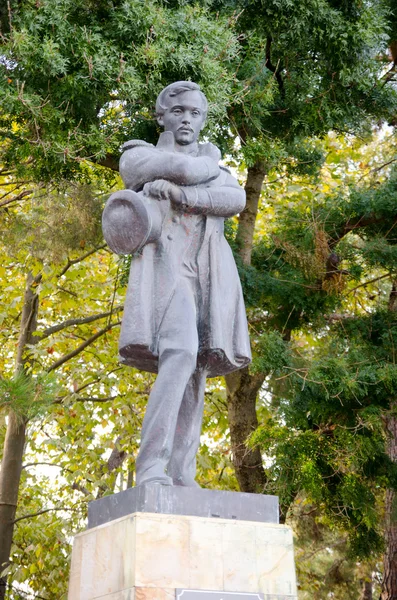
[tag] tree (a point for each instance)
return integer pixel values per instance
(29, 389)
(85, 423)
(328, 432)
(80, 78)
(75, 88)
(304, 72)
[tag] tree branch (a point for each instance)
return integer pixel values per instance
(356, 223)
(80, 259)
(17, 187)
(48, 464)
(274, 69)
(376, 169)
(80, 488)
(116, 457)
(55, 328)
(41, 512)
(368, 282)
(90, 399)
(26, 594)
(76, 391)
(115, 460)
(110, 162)
(392, 304)
(335, 317)
(85, 385)
(82, 347)
(16, 198)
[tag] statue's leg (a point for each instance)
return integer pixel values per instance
(182, 465)
(178, 346)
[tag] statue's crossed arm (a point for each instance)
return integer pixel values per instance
(142, 164)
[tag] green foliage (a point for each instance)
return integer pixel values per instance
(72, 88)
(82, 78)
(272, 353)
(124, 265)
(41, 542)
(58, 222)
(306, 68)
(322, 558)
(339, 470)
(29, 397)
(322, 274)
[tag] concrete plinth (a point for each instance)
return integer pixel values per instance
(149, 556)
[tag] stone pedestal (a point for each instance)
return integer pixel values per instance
(152, 556)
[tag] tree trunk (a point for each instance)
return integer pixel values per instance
(241, 387)
(11, 465)
(389, 582)
(246, 226)
(366, 593)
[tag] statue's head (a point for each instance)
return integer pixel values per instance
(181, 107)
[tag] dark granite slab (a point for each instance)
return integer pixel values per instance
(173, 500)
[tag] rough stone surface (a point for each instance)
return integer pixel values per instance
(155, 498)
(149, 556)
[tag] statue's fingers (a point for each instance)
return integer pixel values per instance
(146, 189)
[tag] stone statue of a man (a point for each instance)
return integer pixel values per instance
(184, 314)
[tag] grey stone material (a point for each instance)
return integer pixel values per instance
(175, 500)
(184, 316)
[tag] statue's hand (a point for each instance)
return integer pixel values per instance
(164, 190)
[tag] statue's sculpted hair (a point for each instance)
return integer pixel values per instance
(174, 89)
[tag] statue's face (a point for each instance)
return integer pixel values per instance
(184, 116)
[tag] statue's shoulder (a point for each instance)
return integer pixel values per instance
(213, 151)
(134, 143)
(209, 149)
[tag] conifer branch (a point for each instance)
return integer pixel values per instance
(91, 399)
